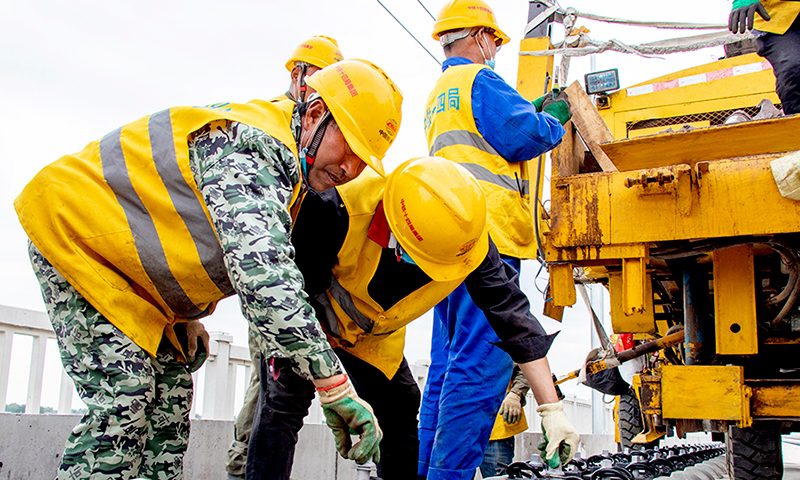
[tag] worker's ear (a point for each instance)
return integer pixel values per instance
(295, 74)
(316, 109)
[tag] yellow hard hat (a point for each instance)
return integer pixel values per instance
(318, 51)
(437, 211)
(457, 14)
(365, 103)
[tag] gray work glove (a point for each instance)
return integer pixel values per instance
(743, 18)
(511, 408)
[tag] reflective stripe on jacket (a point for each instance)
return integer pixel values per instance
(782, 13)
(355, 321)
(125, 224)
(452, 133)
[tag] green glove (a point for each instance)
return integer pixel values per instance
(345, 413)
(743, 15)
(556, 103)
(538, 103)
(559, 447)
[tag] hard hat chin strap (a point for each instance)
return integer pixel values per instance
(303, 87)
(316, 138)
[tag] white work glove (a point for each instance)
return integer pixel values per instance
(560, 437)
(345, 413)
(511, 408)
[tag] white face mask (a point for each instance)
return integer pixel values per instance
(489, 62)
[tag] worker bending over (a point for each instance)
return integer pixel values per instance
(138, 236)
(313, 54)
(374, 259)
(474, 118)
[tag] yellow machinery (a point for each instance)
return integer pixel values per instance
(689, 233)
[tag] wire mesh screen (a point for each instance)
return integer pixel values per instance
(714, 118)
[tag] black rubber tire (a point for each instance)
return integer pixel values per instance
(754, 452)
(629, 422)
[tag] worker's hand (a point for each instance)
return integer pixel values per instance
(345, 413)
(743, 15)
(560, 437)
(196, 346)
(196, 335)
(511, 408)
(556, 103)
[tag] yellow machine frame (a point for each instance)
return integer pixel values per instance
(618, 189)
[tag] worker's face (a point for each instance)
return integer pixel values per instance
(297, 76)
(488, 43)
(335, 164)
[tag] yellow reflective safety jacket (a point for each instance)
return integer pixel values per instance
(124, 221)
(362, 326)
(452, 133)
(782, 13)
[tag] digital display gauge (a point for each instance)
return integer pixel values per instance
(602, 82)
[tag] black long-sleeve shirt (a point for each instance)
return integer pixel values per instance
(319, 233)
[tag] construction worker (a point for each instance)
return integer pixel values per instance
(138, 236)
(777, 32)
(509, 422)
(313, 54)
(389, 255)
(476, 119)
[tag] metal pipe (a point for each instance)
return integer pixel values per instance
(699, 342)
(626, 355)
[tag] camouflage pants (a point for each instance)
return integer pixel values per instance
(137, 423)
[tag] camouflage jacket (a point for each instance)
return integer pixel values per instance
(247, 178)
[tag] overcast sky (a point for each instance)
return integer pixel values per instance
(72, 71)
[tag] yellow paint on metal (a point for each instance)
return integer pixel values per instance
(562, 285)
(533, 72)
(781, 341)
(704, 144)
(640, 322)
(650, 395)
(728, 199)
(779, 400)
(634, 289)
(598, 253)
(705, 392)
(660, 113)
(735, 301)
(649, 436)
(648, 391)
(553, 311)
(581, 214)
(726, 93)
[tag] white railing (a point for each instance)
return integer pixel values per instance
(218, 376)
(15, 321)
(216, 383)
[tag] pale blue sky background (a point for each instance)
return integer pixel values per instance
(72, 71)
